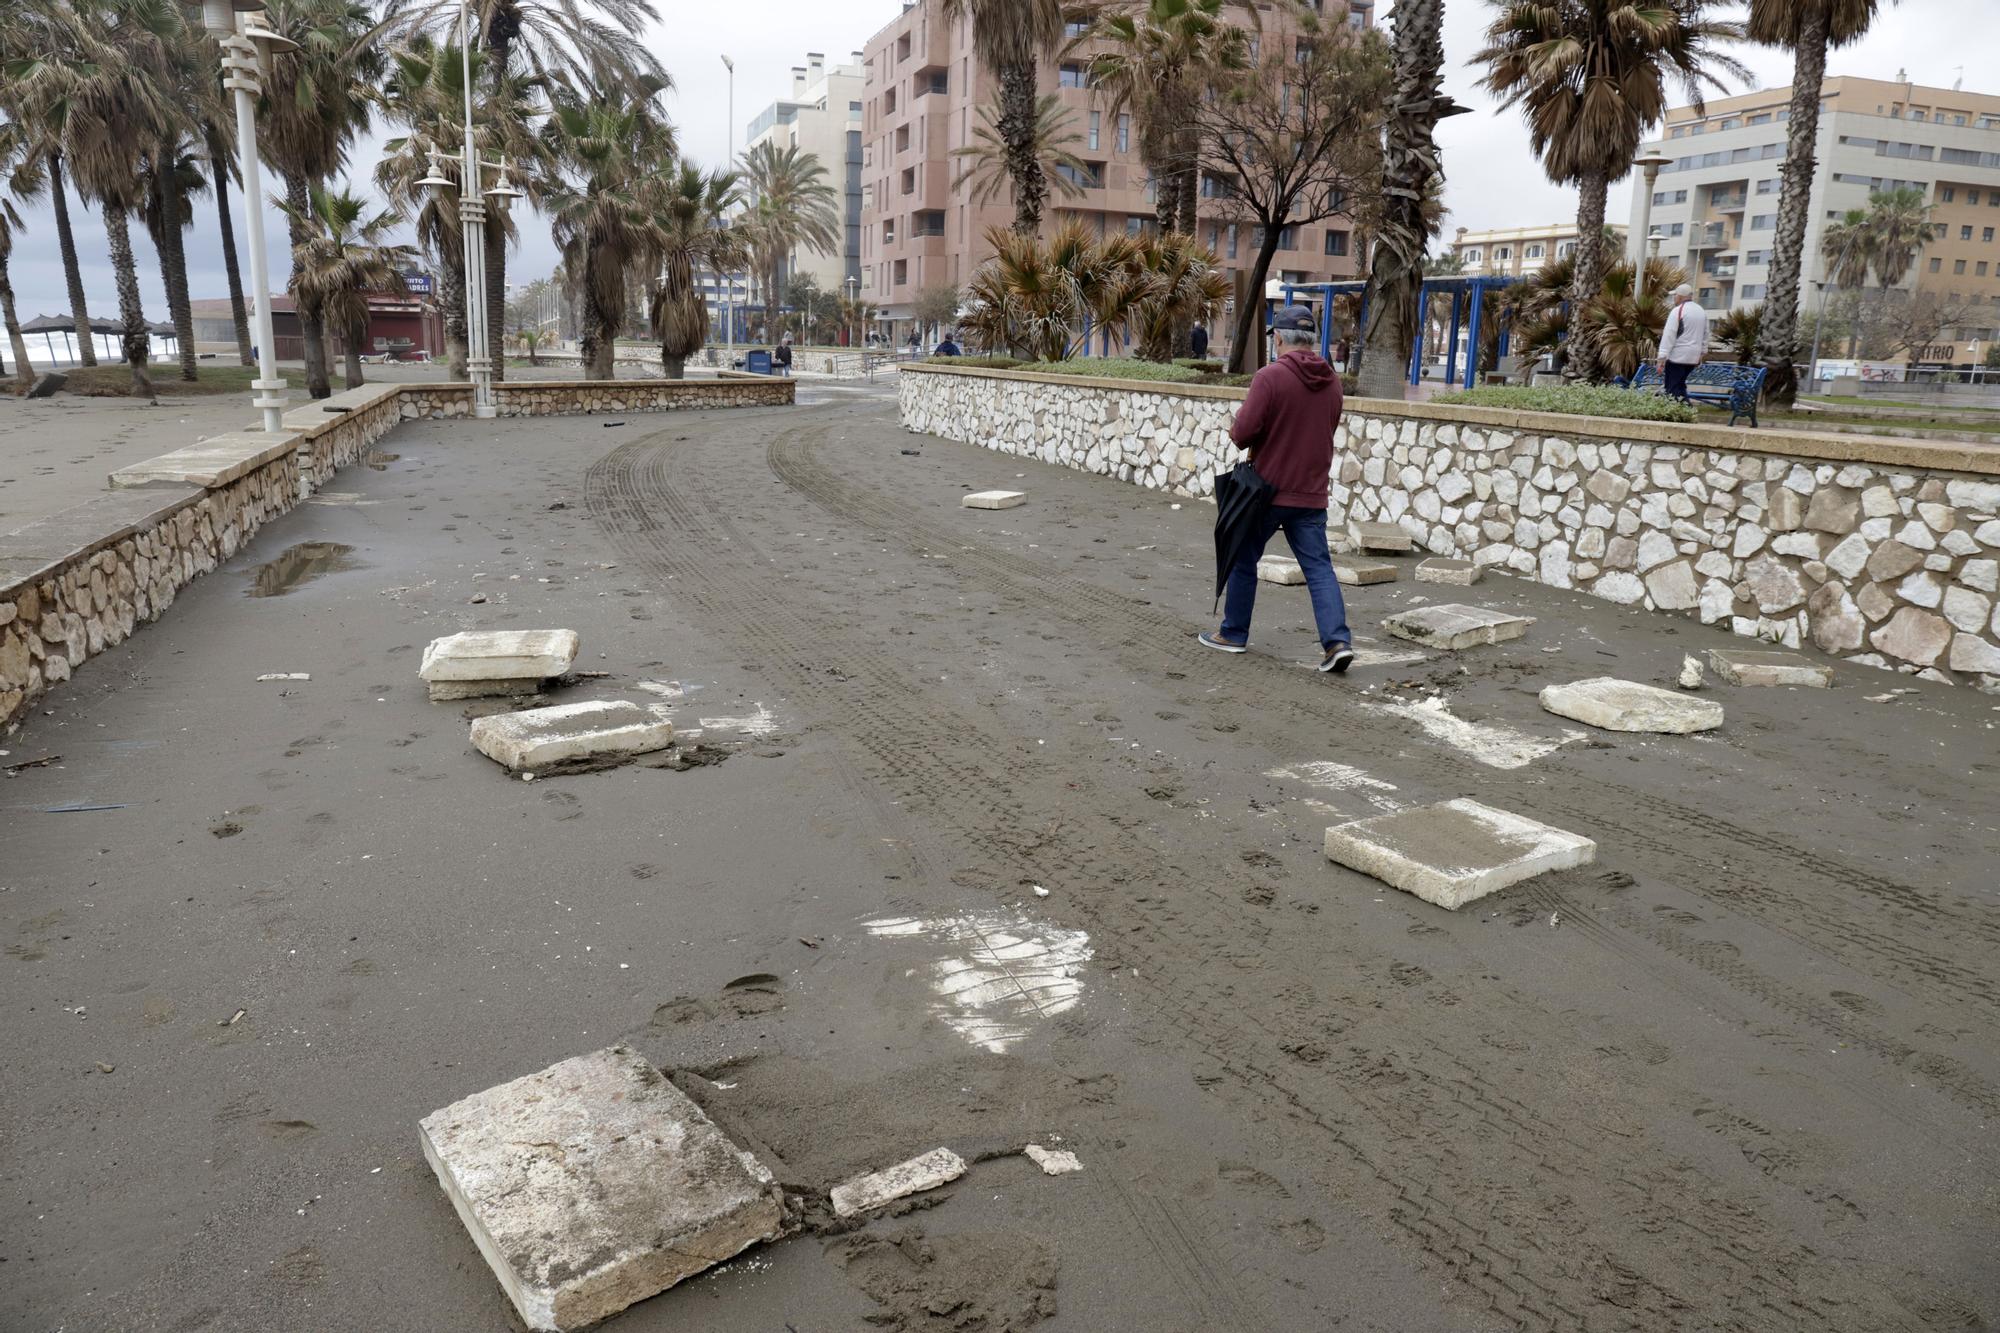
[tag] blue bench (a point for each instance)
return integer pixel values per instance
(1723, 383)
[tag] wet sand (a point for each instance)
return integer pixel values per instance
(1738, 1074)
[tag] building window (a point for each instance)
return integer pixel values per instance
(1124, 133)
(1336, 242)
(909, 180)
(1754, 291)
(889, 102)
(1986, 235)
(1232, 240)
(927, 223)
(1673, 229)
(1761, 118)
(1757, 257)
(1767, 186)
(902, 138)
(1073, 76)
(1979, 269)
(1763, 221)
(1090, 179)
(902, 272)
(1502, 252)
(1564, 249)
(1075, 29)
(1958, 266)
(1947, 195)
(889, 231)
(1473, 255)
(1532, 252)
(1972, 197)
(1677, 132)
(1937, 266)
(1731, 123)
(1096, 124)
(1707, 293)
(1965, 233)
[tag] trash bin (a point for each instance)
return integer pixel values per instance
(758, 363)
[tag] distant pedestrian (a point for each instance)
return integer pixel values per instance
(947, 347)
(1198, 342)
(1286, 424)
(1683, 342)
(782, 358)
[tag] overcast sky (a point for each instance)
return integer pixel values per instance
(1491, 179)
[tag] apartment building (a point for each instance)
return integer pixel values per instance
(1514, 252)
(822, 116)
(923, 91)
(1716, 202)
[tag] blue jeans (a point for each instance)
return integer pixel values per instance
(1305, 531)
(1677, 380)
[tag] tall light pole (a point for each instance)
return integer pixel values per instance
(729, 145)
(472, 222)
(1650, 163)
(246, 53)
(853, 301)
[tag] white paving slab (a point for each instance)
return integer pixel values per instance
(1280, 569)
(863, 1193)
(1359, 572)
(503, 654)
(1456, 573)
(1379, 536)
(994, 500)
(1740, 666)
(595, 1184)
(1451, 626)
(569, 733)
(1629, 705)
(1053, 1161)
(1455, 852)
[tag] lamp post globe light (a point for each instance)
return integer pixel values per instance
(1650, 163)
(472, 222)
(247, 48)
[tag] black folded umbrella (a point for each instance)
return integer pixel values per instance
(1241, 497)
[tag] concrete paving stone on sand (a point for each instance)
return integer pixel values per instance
(1452, 853)
(1380, 536)
(1280, 569)
(1458, 573)
(1628, 705)
(1745, 666)
(1357, 573)
(504, 654)
(1451, 626)
(994, 500)
(569, 733)
(595, 1184)
(937, 1167)
(450, 691)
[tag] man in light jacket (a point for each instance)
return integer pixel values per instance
(1683, 342)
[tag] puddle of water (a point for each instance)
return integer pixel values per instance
(299, 564)
(1003, 974)
(379, 460)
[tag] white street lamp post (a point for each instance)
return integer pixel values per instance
(246, 49)
(472, 222)
(1650, 164)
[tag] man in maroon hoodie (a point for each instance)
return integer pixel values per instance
(1286, 423)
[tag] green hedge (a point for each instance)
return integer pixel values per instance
(1117, 368)
(1582, 400)
(975, 362)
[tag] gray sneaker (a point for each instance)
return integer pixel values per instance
(1338, 658)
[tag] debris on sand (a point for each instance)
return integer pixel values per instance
(285, 675)
(540, 738)
(943, 1284)
(1690, 673)
(483, 663)
(862, 1194)
(1053, 1161)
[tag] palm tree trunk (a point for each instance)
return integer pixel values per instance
(676, 366)
(452, 298)
(1017, 132)
(312, 329)
(599, 344)
(496, 295)
(173, 269)
(136, 342)
(771, 280)
(24, 374)
(86, 341)
(354, 337)
(1583, 363)
(1409, 160)
(1777, 339)
(219, 168)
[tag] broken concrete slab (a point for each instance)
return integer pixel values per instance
(1455, 852)
(450, 691)
(506, 654)
(48, 384)
(936, 1167)
(1281, 569)
(1380, 537)
(594, 1184)
(1452, 626)
(994, 500)
(1360, 572)
(1457, 573)
(569, 734)
(1628, 705)
(1739, 666)
(1053, 1161)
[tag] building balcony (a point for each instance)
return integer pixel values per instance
(1728, 203)
(1708, 238)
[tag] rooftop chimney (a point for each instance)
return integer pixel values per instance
(798, 81)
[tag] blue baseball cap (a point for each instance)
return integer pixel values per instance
(1297, 318)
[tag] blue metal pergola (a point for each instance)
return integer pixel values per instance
(1468, 302)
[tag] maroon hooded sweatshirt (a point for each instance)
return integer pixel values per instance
(1287, 421)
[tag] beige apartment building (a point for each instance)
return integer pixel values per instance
(822, 116)
(1716, 202)
(1514, 252)
(923, 90)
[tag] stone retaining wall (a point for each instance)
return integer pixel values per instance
(80, 581)
(1879, 551)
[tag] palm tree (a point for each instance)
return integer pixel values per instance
(601, 153)
(986, 157)
(1033, 297)
(690, 208)
(1009, 38)
(171, 174)
(1625, 325)
(1848, 246)
(315, 105)
(21, 177)
(346, 256)
(791, 205)
(1156, 65)
(1899, 221)
(1737, 331)
(1809, 29)
(221, 167)
(1182, 282)
(1402, 235)
(1592, 76)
